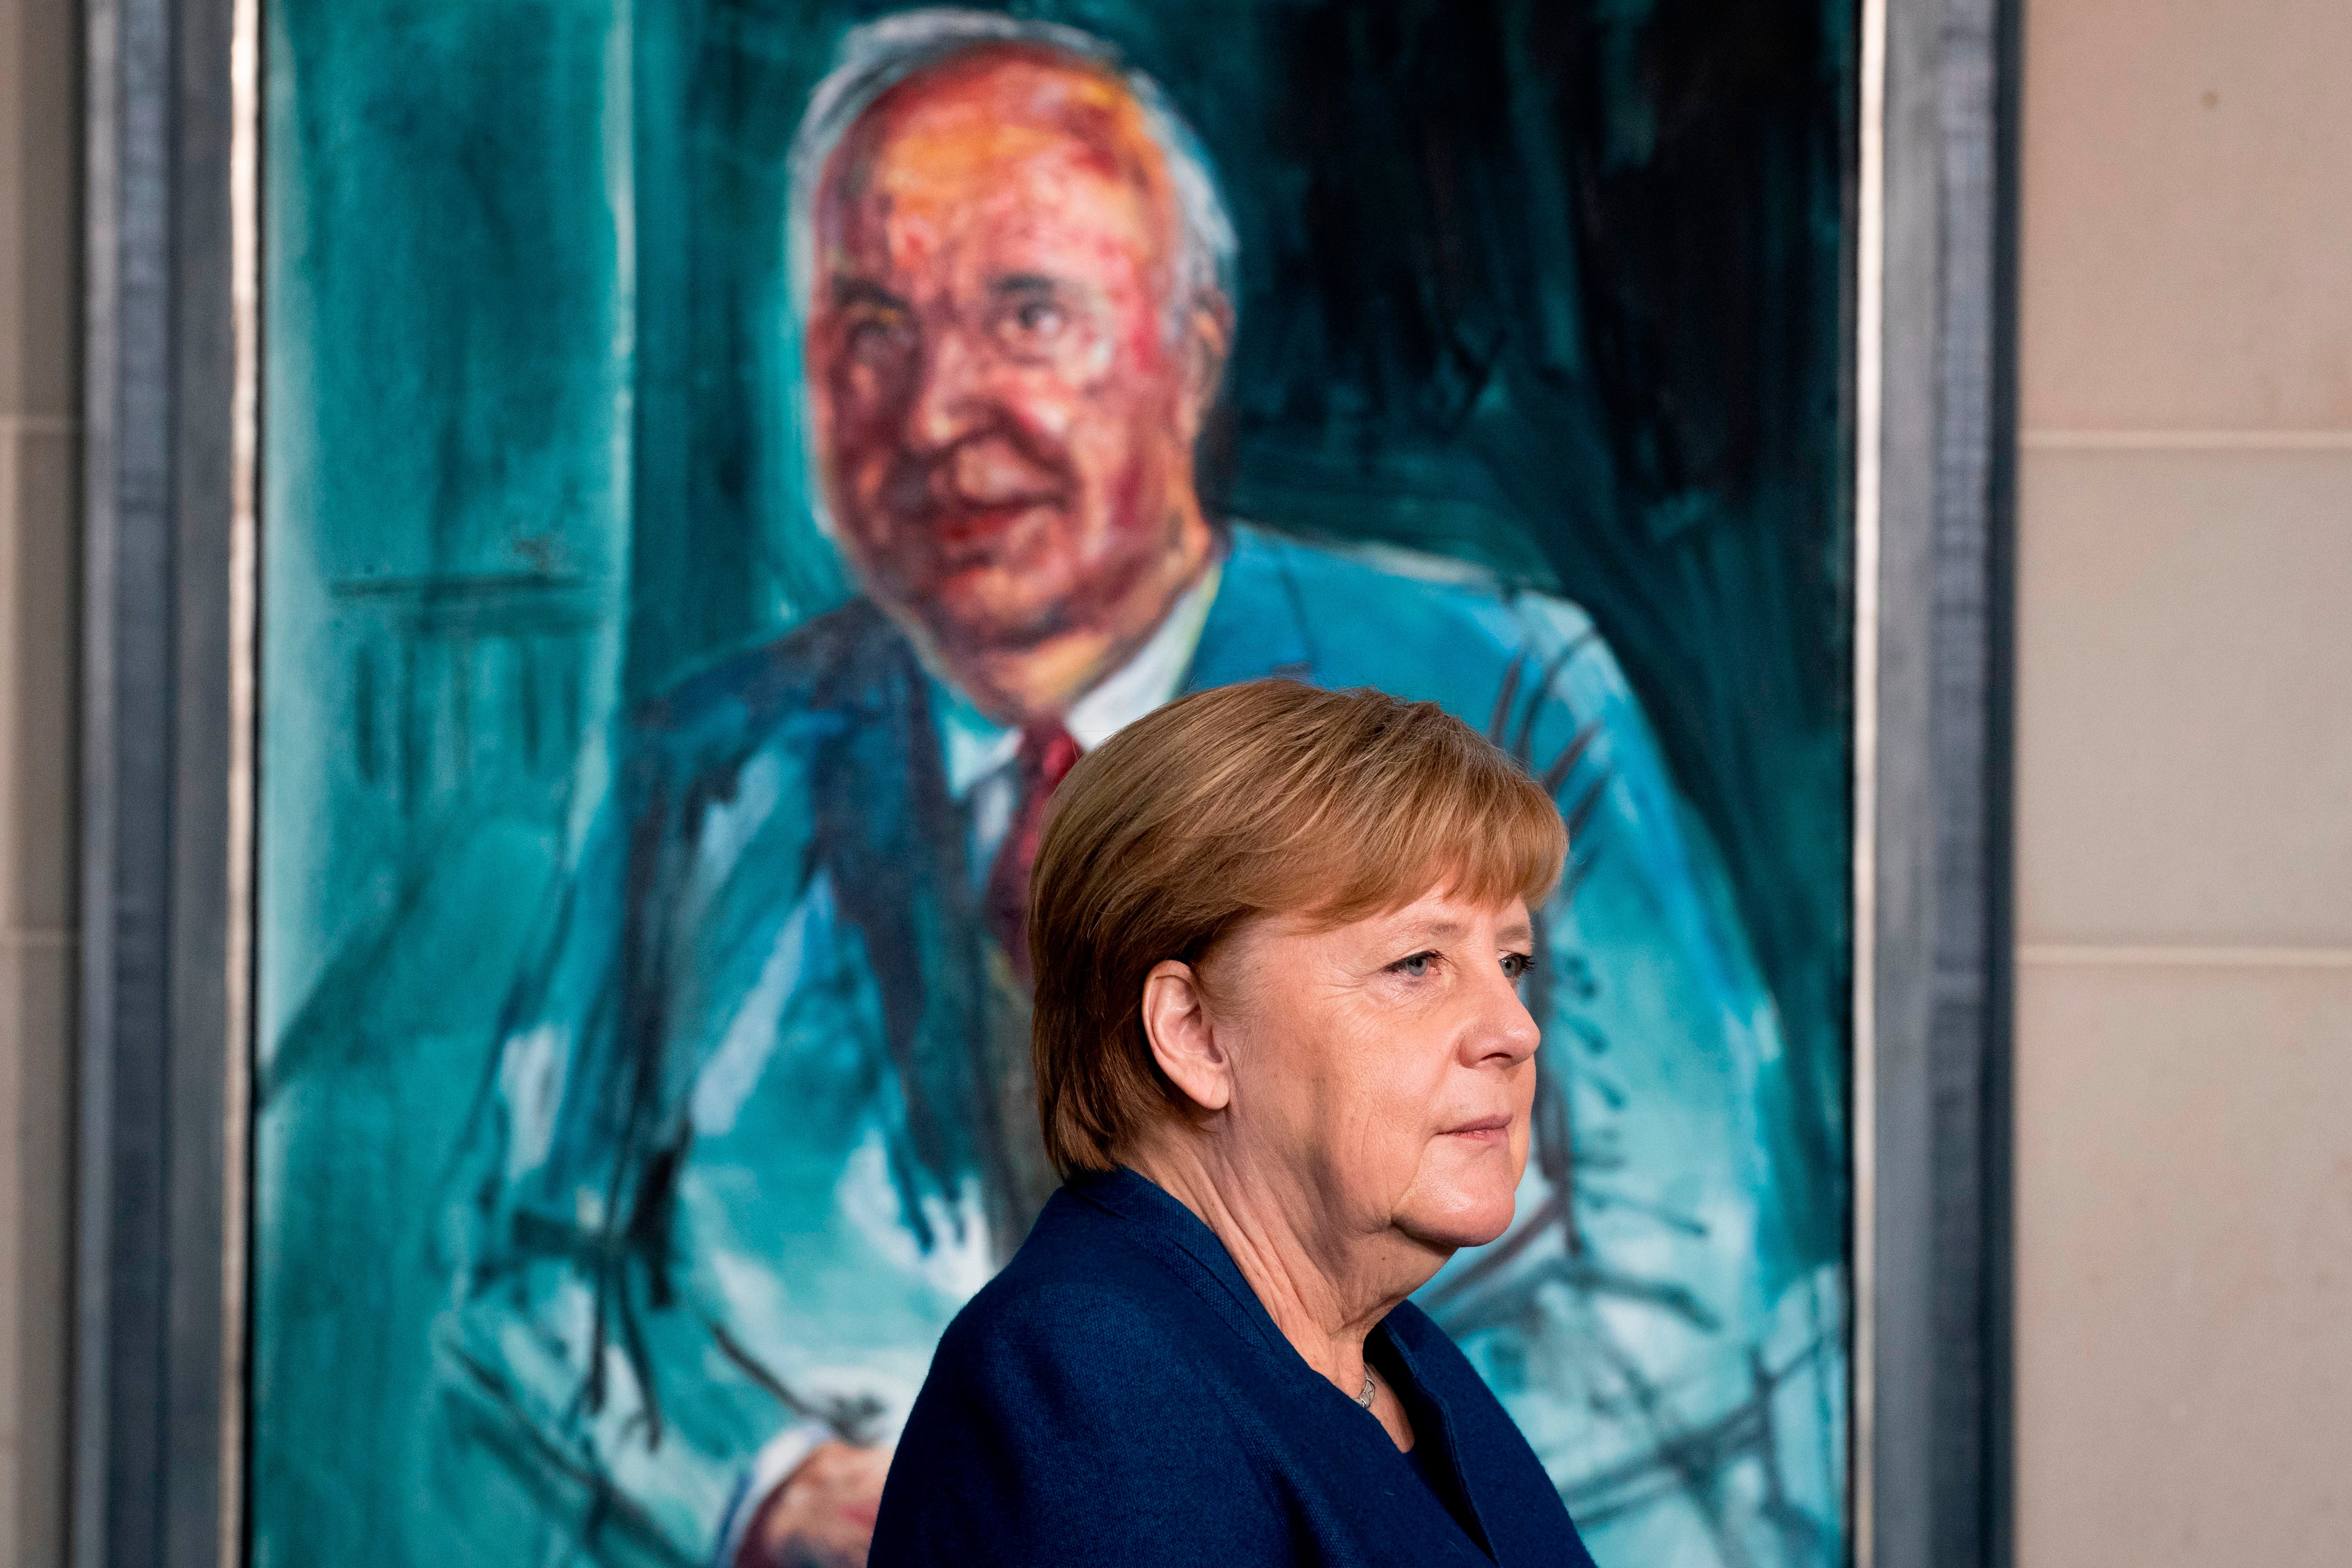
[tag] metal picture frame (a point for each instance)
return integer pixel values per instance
(172, 329)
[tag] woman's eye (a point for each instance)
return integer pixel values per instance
(1516, 964)
(1416, 966)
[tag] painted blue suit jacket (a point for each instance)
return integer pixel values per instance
(1118, 1395)
(759, 1122)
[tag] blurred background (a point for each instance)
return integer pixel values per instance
(2183, 769)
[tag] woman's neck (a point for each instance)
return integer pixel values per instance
(1325, 1288)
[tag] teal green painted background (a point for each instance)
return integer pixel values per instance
(1552, 287)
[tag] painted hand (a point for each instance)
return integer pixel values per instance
(822, 1516)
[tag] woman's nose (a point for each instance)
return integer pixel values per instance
(1505, 1030)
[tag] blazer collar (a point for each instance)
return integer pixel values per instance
(1164, 1225)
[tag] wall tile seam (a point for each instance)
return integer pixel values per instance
(2094, 955)
(2054, 439)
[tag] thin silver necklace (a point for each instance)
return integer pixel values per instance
(1365, 1398)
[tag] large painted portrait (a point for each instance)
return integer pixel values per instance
(725, 459)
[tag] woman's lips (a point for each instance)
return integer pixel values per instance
(1486, 1129)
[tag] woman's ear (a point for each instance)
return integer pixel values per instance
(1183, 1042)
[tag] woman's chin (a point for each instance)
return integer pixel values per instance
(1467, 1213)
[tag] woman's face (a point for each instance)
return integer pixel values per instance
(1386, 1066)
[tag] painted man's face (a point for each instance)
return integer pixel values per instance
(1005, 421)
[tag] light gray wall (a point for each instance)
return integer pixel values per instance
(39, 412)
(2184, 809)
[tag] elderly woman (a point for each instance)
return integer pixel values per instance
(1283, 1068)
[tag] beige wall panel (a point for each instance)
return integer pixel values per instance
(38, 589)
(2184, 1268)
(2184, 707)
(39, 222)
(36, 1001)
(2188, 214)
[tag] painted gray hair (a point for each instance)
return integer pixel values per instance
(877, 56)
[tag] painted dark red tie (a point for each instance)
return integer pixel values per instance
(1047, 752)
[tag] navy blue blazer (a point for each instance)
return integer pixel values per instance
(1118, 1396)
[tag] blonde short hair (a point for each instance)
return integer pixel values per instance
(1264, 798)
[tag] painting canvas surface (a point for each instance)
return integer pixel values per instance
(641, 1072)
